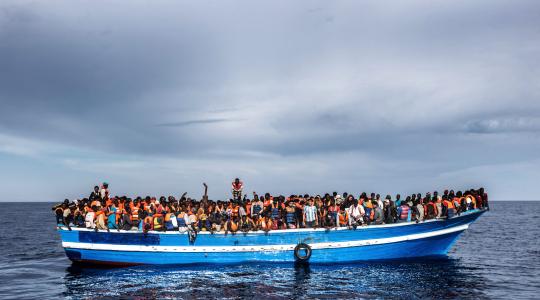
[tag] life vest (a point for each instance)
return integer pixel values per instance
(262, 223)
(98, 213)
(473, 201)
(404, 212)
(237, 187)
(168, 221)
(290, 217)
(343, 219)
(233, 226)
(158, 221)
(180, 219)
(148, 220)
(135, 214)
(256, 209)
(59, 211)
(448, 204)
(456, 202)
(234, 211)
(275, 213)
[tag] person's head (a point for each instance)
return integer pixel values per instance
(237, 180)
(96, 188)
(398, 196)
(106, 185)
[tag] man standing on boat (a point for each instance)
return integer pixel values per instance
(310, 215)
(104, 192)
(237, 187)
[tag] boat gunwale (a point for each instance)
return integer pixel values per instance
(262, 248)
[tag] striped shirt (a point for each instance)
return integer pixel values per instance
(310, 211)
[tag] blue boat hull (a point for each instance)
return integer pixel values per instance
(381, 242)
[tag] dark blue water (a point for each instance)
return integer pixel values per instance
(498, 257)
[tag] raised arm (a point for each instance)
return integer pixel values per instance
(205, 196)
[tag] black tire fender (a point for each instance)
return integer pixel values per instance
(299, 257)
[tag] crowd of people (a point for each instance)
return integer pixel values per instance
(101, 211)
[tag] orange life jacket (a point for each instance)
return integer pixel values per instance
(135, 214)
(343, 219)
(233, 226)
(149, 220)
(448, 204)
(98, 213)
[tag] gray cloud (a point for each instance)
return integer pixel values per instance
(504, 125)
(349, 84)
(193, 122)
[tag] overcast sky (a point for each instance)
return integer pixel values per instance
(156, 97)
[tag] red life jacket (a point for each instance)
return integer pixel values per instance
(404, 212)
(238, 186)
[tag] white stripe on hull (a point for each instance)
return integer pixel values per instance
(261, 248)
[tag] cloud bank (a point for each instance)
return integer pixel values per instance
(292, 97)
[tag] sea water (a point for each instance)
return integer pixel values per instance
(497, 257)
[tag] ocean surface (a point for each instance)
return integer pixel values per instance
(498, 257)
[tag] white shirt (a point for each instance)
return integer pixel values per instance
(310, 212)
(356, 211)
(89, 220)
(103, 193)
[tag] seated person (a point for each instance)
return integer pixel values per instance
(246, 224)
(171, 223)
(101, 220)
(231, 225)
(182, 219)
(125, 222)
(158, 222)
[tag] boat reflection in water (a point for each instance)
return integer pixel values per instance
(439, 278)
